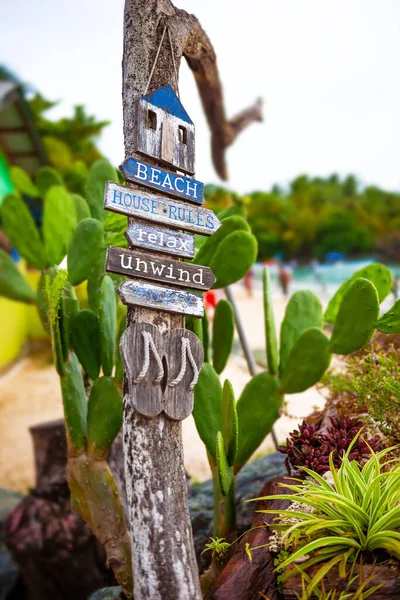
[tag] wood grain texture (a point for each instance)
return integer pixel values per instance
(179, 399)
(139, 293)
(149, 397)
(158, 239)
(136, 202)
(173, 184)
(146, 396)
(133, 263)
(157, 130)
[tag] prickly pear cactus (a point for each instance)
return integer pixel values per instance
(222, 335)
(356, 318)
(390, 321)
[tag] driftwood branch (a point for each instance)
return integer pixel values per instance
(190, 41)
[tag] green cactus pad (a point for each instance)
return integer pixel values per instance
(70, 306)
(75, 405)
(13, 285)
(304, 310)
(356, 319)
(307, 362)
(378, 274)
(95, 280)
(108, 324)
(222, 335)
(46, 178)
(59, 221)
(119, 365)
(230, 424)
(210, 245)
(22, 232)
(87, 244)
(100, 172)
(206, 336)
(104, 418)
(225, 472)
(207, 410)
(257, 409)
(271, 343)
(23, 182)
(86, 341)
(233, 258)
(390, 321)
(82, 210)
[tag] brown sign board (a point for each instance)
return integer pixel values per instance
(146, 266)
(157, 239)
(139, 293)
(133, 201)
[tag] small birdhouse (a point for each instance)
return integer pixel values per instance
(164, 130)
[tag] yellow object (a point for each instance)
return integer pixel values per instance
(13, 327)
(34, 329)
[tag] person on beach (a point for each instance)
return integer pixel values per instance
(285, 279)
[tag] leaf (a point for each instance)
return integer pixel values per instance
(222, 336)
(119, 366)
(231, 211)
(378, 274)
(307, 362)
(46, 178)
(206, 337)
(54, 283)
(75, 405)
(207, 411)
(257, 410)
(59, 221)
(23, 182)
(211, 244)
(86, 341)
(271, 342)
(104, 416)
(13, 285)
(390, 321)
(95, 280)
(230, 424)
(225, 472)
(108, 324)
(82, 210)
(100, 172)
(304, 310)
(22, 232)
(86, 245)
(233, 258)
(356, 318)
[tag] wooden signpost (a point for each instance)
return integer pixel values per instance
(146, 266)
(162, 360)
(147, 236)
(137, 202)
(164, 181)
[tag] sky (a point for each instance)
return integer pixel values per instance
(327, 70)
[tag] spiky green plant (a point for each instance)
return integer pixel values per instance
(301, 359)
(358, 513)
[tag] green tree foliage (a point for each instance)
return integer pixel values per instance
(315, 216)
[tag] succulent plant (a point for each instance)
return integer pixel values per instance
(309, 447)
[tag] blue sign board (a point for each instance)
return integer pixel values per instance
(162, 180)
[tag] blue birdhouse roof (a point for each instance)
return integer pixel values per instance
(166, 99)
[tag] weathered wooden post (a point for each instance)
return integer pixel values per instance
(162, 360)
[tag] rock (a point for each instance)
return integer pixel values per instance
(9, 571)
(58, 555)
(249, 483)
(111, 593)
(245, 580)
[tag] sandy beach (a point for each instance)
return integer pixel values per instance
(30, 394)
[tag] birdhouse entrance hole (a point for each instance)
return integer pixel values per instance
(151, 120)
(182, 135)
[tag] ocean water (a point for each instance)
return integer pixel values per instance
(322, 279)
